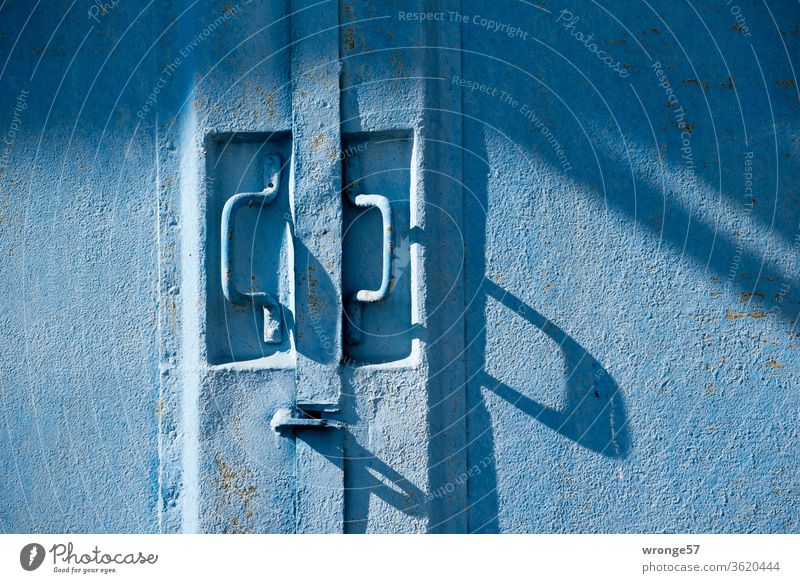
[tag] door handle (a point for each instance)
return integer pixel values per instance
(369, 296)
(270, 306)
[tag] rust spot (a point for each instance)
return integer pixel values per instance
(747, 296)
(772, 363)
(350, 39)
(398, 64)
(788, 83)
(703, 84)
(237, 491)
(755, 315)
(269, 104)
(318, 140)
(730, 315)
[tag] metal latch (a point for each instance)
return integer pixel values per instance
(285, 419)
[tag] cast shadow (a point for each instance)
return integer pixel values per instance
(594, 414)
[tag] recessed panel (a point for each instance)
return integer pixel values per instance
(259, 247)
(378, 165)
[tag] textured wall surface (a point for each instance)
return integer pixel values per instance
(593, 309)
(78, 368)
(635, 330)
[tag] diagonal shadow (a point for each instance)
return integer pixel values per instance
(594, 415)
(367, 475)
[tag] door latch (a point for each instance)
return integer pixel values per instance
(285, 419)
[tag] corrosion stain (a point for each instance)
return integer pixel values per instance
(269, 104)
(318, 140)
(161, 407)
(703, 84)
(772, 363)
(755, 315)
(350, 39)
(237, 491)
(747, 296)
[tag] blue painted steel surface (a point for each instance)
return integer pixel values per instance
(589, 309)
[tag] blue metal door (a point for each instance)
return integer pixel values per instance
(311, 252)
(413, 266)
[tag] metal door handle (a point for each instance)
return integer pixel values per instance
(354, 304)
(270, 306)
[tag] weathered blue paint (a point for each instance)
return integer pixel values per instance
(590, 317)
